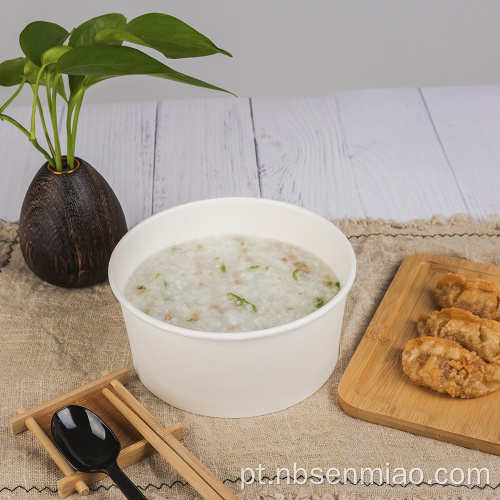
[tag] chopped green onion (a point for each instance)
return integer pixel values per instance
(319, 303)
(294, 274)
(267, 267)
(141, 287)
(157, 276)
(194, 317)
(254, 267)
(165, 283)
(330, 283)
(242, 243)
(223, 268)
(240, 301)
(337, 284)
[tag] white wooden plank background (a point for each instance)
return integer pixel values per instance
(204, 149)
(394, 153)
(398, 163)
(302, 155)
(467, 121)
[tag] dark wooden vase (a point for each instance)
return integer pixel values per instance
(70, 223)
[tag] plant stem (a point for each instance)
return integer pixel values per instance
(42, 118)
(75, 125)
(68, 131)
(35, 100)
(27, 134)
(16, 93)
(53, 116)
(73, 113)
(69, 151)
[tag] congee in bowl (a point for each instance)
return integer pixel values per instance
(248, 347)
(231, 283)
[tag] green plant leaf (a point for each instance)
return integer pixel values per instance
(75, 83)
(31, 72)
(52, 55)
(78, 83)
(40, 36)
(85, 33)
(12, 71)
(172, 37)
(92, 80)
(112, 60)
(113, 36)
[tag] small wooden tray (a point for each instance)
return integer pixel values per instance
(374, 387)
(38, 419)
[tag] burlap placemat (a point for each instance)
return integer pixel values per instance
(54, 340)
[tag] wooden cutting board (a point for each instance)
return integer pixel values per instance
(374, 387)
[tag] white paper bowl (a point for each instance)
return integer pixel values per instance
(234, 374)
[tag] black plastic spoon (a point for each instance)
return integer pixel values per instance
(89, 445)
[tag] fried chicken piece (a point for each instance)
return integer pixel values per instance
(472, 332)
(445, 366)
(477, 296)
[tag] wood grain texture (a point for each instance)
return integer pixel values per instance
(467, 121)
(302, 155)
(204, 149)
(70, 224)
(49, 446)
(400, 169)
(374, 387)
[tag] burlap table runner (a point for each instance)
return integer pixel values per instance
(54, 340)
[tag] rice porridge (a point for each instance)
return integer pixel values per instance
(231, 284)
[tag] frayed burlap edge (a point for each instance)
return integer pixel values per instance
(456, 225)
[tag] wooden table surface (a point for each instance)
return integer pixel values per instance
(392, 153)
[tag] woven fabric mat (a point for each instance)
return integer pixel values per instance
(54, 340)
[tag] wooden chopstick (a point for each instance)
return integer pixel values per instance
(52, 450)
(178, 447)
(189, 473)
